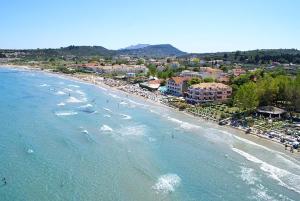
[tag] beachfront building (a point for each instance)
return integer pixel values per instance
(208, 92)
(151, 85)
(177, 86)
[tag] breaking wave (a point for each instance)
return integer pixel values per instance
(86, 106)
(44, 85)
(80, 92)
(125, 116)
(106, 109)
(106, 128)
(72, 85)
(68, 90)
(65, 113)
(73, 100)
(183, 124)
(248, 175)
(30, 151)
(85, 131)
(60, 93)
(167, 183)
(61, 104)
(284, 177)
(139, 130)
(123, 103)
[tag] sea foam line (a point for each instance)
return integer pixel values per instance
(183, 124)
(275, 173)
(65, 113)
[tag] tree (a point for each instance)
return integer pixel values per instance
(196, 61)
(267, 90)
(208, 79)
(140, 62)
(246, 97)
(193, 81)
(296, 93)
(152, 69)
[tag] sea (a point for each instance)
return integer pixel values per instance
(61, 139)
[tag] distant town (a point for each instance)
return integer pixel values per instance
(255, 91)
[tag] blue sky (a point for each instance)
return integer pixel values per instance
(190, 25)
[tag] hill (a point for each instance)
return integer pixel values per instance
(253, 56)
(163, 50)
(89, 51)
(134, 47)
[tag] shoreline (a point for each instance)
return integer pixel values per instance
(259, 139)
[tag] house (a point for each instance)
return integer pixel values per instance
(177, 86)
(151, 85)
(190, 74)
(122, 69)
(161, 68)
(208, 72)
(174, 65)
(238, 71)
(224, 78)
(208, 92)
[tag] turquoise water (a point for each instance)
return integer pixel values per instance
(65, 140)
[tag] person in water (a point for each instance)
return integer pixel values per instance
(4, 180)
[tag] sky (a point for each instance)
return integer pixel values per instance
(190, 25)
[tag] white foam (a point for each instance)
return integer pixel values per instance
(73, 100)
(183, 124)
(65, 113)
(123, 103)
(261, 193)
(167, 183)
(284, 177)
(139, 130)
(30, 151)
(86, 106)
(106, 109)
(252, 143)
(248, 175)
(67, 89)
(44, 85)
(125, 116)
(106, 128)
(114, 95)
(107, 115)
(151, 139)
(60, 93)
(61, 104)
(72, 85)
(80, 92)
(85, 131)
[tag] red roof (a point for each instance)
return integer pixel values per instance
(179, 80)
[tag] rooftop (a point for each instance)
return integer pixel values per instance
(179, 80)
(212, 85)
